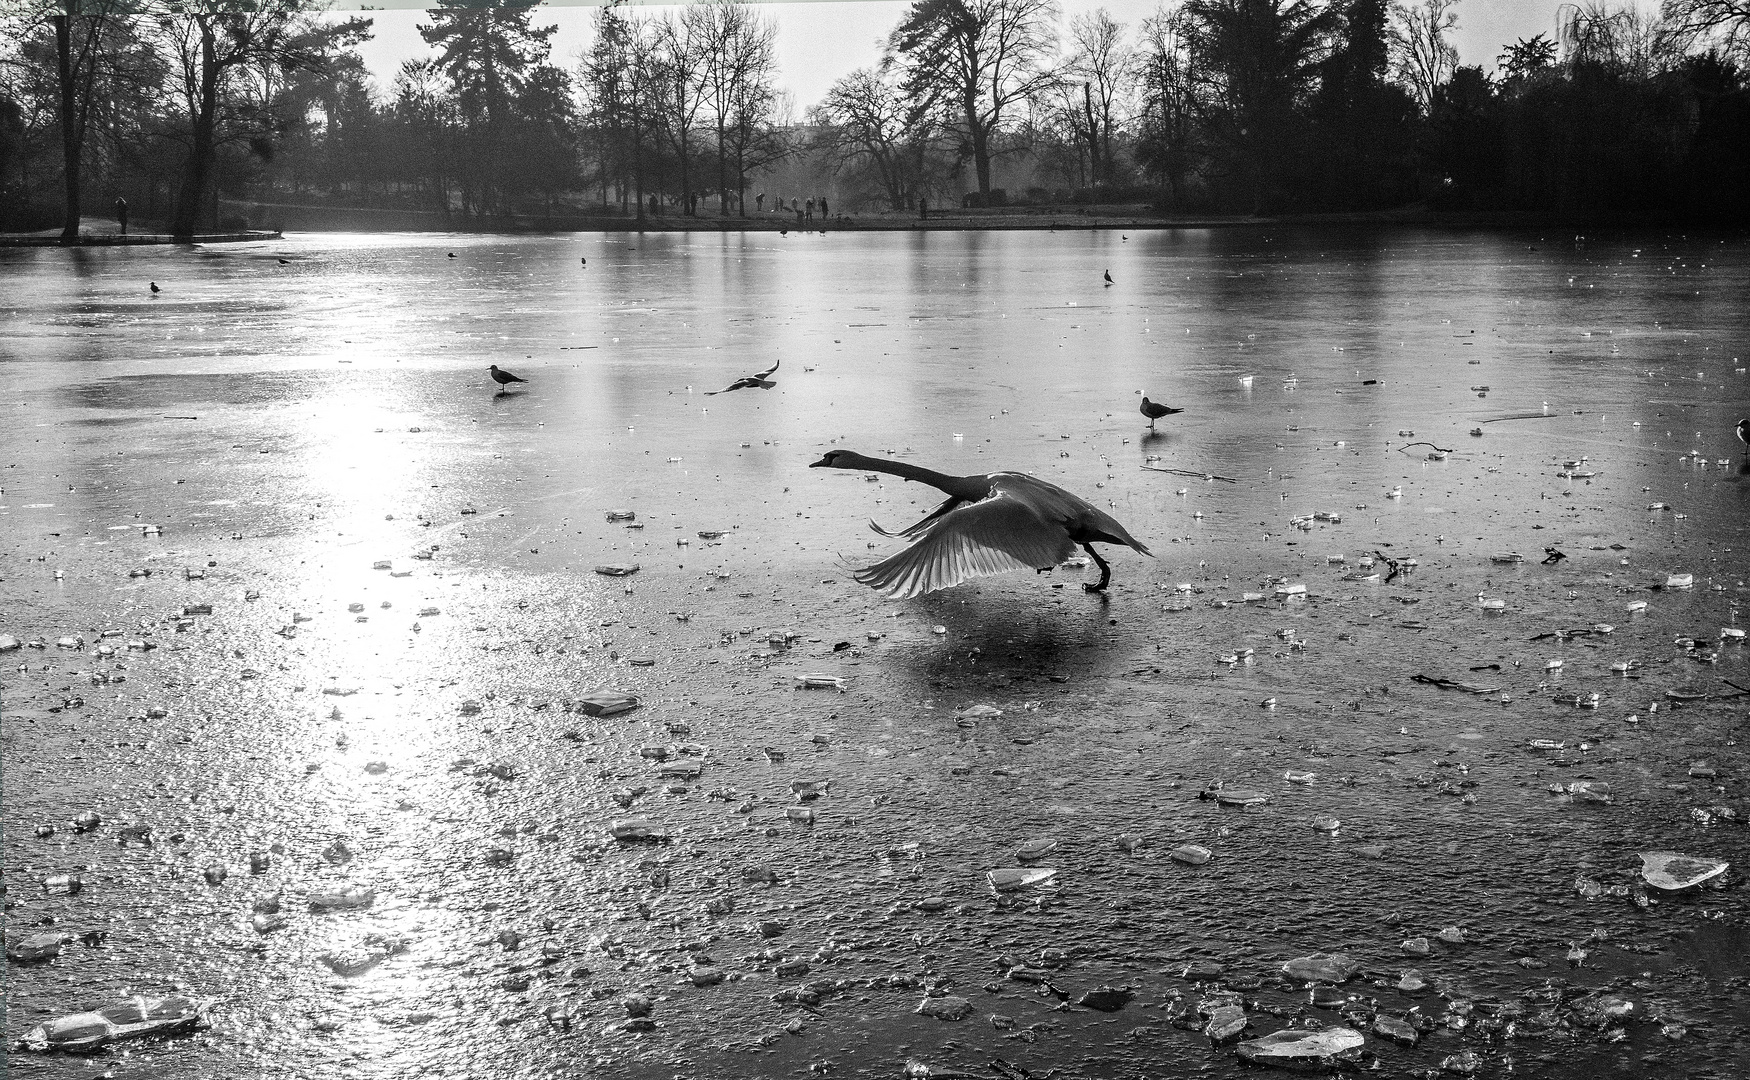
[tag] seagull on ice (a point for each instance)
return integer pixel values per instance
(1154, 410)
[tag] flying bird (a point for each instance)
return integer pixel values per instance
(1154, 410)
(749, 382)
(1108, 277)
(503, 378)
(990, 524)
(154, 285)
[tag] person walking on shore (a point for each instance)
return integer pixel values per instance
(759, 203)
(823, 208)
(121, 214)
(810, 209)
(923, 209)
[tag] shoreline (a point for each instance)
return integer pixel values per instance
(1025, 219)
(103, 239)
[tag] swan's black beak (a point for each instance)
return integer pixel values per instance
(823, 463)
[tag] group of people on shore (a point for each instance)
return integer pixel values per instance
(804, 210)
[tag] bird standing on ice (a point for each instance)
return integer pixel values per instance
(990, 524)
(1154, 410)
(1108, 277)
(503, 378)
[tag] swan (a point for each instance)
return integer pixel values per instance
(990, 524)
(762, 380)
(1154, 410)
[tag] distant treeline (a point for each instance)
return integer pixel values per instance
(1239, 106)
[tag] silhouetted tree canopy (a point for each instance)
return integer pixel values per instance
(1237, 106)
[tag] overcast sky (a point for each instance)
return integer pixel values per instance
(820, 42)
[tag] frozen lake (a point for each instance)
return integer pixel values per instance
(278, 419)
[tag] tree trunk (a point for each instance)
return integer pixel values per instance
(722, 175)
(638, 169)
(980, 145)
(741, 176)
(72, 131)
(681, 125)
(1094, 172)
(200, 154)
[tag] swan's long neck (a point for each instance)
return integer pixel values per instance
(965, 487)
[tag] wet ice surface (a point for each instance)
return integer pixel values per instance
(426, 745)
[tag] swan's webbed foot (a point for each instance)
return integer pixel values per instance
(1105, 571)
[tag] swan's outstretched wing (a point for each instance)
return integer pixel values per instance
(766, 374)
(923, 526)
(992, 536)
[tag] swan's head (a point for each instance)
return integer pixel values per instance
(834, 459)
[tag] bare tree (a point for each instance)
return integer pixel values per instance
(738, 46)
(757, 110)
(1725, 23)
(977, 61)
(79, 35)
(680, 78)
(216, 48)
(1168, 81)
(869, 123)
(1622, 41)
(90, 66)
(1100, 62)
(1421, 57)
